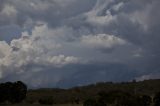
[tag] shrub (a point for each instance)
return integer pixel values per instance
(156, 99)
(89, 102)
(30, 101)
(101, 102)
(145, 100)
(46, 101)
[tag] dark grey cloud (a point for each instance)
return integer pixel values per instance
(94, 72)
(65, 77)
(10, 32)
(51, 11)
(75, 42)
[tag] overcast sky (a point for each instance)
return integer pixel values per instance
(65, 43)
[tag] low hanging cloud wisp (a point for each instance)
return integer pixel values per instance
(102, 41)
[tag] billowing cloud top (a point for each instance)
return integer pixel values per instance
(64, 43)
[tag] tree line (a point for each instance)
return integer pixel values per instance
(145, 93)
(12, 92)
(121, 98)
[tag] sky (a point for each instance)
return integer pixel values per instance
(66, 43)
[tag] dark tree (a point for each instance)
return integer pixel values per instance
(18, 92)
(156, 99)
(5, 91)
(3, 95)
(12, 92)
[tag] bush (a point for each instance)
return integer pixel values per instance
(94, 102)
(101, 102)
(116, 98)
(46, 101)
(145, 100)
(156, 99)
(89, 102)
(30, 101)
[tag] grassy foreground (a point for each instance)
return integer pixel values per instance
(44, 105)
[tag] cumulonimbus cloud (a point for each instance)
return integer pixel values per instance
(60, 38)
(35, 49)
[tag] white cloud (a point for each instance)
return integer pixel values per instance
(102, 41)
(37, 49)
(100, 20)
(9, 10)
(118, 6)
(148, 76)
(62, 60)
(4, 49)
(8, 14)
(94, 17)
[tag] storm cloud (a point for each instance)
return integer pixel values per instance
(64, 43)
